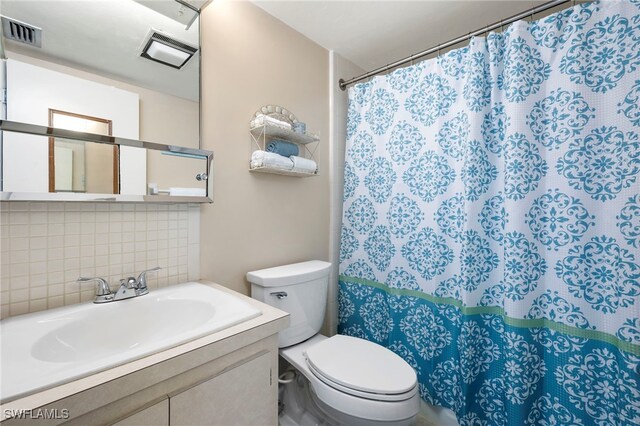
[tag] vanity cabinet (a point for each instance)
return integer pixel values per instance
(239, 396)
(239, 388)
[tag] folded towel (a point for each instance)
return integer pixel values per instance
(270, 159)
(188, 192)
(284, 148)
(265, 119)
(303, 165)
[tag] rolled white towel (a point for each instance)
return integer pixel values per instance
(303, 165)
(264, 119)
(188, 192)
(270, 159)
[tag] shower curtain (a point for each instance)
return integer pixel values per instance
(491, 228)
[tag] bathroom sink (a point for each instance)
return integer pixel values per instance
(48, 348)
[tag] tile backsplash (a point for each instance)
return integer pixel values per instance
(47, 246)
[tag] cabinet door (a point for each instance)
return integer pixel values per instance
(156, 415)
(243, 396)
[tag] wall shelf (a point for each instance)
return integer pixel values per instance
(274, 122)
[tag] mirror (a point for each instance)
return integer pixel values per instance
(121, 68)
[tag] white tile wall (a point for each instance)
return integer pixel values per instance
(47, 246)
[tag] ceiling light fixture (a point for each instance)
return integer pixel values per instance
(162, 48)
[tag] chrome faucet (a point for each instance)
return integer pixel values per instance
(129, 287)
(103, 292)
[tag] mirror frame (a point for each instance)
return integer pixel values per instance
(50, 132)
(115, 175)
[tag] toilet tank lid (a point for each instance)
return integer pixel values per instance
(289, 274)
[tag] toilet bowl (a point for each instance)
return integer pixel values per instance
(353, 381)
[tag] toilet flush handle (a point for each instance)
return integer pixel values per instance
(279, 294)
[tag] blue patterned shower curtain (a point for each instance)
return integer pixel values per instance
(491, 230)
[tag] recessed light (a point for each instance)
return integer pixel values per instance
(166, 50)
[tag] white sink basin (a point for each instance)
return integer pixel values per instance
(48, 348)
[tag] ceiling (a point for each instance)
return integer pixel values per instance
(372, 34)
(105, 36)
(369, 33)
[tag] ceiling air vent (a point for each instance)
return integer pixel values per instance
(21, 32)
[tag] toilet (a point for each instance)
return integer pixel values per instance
(352, 381)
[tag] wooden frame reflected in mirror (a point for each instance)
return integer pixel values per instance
(76, 166)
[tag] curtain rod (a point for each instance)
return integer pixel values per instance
(530, 12)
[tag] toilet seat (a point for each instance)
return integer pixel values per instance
(361, 394)
(362, 411)
(361, 368)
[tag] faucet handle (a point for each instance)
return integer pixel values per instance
(103, 292)
(141, 282)
(128, 282)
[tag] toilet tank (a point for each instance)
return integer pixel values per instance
(299, 289)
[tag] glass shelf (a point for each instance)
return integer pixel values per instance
(276, 171)
(271, 130)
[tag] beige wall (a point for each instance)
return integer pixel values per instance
(250, 59)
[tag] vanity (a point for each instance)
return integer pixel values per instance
(226, 377)
(100, 145)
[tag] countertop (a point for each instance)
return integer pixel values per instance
(270, 322)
